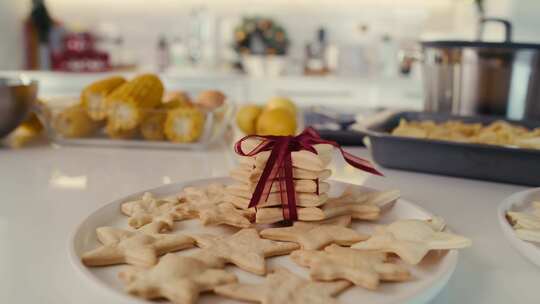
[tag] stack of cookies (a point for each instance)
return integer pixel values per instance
(310, 171)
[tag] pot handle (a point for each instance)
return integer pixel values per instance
(506, 23)
(406, 58)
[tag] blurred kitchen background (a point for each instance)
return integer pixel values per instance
(310, 50)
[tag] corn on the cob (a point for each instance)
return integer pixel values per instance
(127, 104)
(152, 126)
(25, 132)
(74, 122)
(33, 123)
(93, 96)
(184, 124)
(175, 103)
(178, 97)
(120, 133)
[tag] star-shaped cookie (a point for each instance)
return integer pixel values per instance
(300, 186)
(226, 214)
(411, 240)
(283, 286)
(362, 205)
(212, 193)
(248, 174)
(152, 214)
(300, 159)
(526, 225)
(179, 279)
(244, 249)
(523, 220)
(364, 268)
(312, 236)
(382, 199)
(323, 155)
(274, 199)
(536, 206)
(208, 204)
(133, 247)
(275, 214)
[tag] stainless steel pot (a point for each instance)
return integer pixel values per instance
(475, 77)
(16, 98)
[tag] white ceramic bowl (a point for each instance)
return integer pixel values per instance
(520, 201)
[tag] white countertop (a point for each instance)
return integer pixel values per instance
(47, 191)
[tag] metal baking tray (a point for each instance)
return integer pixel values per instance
(478, 161)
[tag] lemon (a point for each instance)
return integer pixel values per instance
(277, 121)
(246, 118)
(281, 102)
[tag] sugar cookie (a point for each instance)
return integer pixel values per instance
(275, 214)
(301, 159)
(312, 236)
(209, 205)
(133, 247)
(523, 220)
(381, 199)
(151, 213)
(244, 249)
(283, 286)
(247, 175)
(526, 225)
(227, 214)
(179, 279)
(411, 240)
(300, 185)
(274, 199)
(364, 268)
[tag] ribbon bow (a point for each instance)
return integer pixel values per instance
(279, 165)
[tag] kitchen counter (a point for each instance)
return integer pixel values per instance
(46, 191)
(362, 92)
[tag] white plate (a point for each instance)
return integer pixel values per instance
(520, 201)
(428, 278)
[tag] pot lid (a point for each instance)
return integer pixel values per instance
(478, 44)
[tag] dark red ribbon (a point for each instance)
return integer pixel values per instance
(279, 165)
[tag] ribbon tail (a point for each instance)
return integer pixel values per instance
(289, 188)
(359, 163)
(264, 185)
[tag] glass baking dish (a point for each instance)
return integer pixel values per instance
(215, 124)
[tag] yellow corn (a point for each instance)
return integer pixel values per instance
(25, 132)
(33, 123)
(184, 124)
(127, 104)
(74, 122)
(175, 103)
(93, 96)
(181, 97)
(120, 133)
(152, 126)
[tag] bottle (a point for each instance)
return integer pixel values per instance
(163, 55)
(388, 56)
(179, 53)
(315, 63)
(37, 28)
